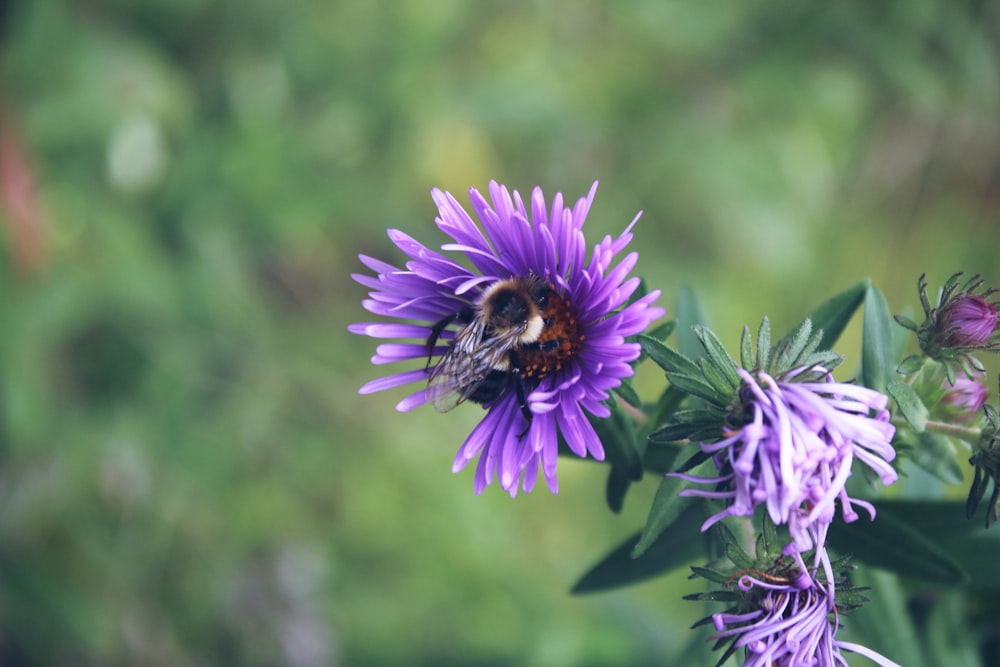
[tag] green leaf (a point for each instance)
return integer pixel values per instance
(716, 379)
(718, 356)
(896, 545)
(666, 357)
(884, 624)
(627, 391)
(910, 364)
(689, 315)
(940, 520)
(617, 487)
(978, 555)
(674, 432)
(910, 406)
(660, 458)
(667, 507)
(712, 575)
(748, 356)
(764, 344)
(790, 348)
(906, 322)
(935, 453)
(877, 358)
(738, 556)
(675, 548)
(663, 331)
(697, 387)
(833, 315)
(950, 640)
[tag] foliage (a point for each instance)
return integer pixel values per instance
(186, 475)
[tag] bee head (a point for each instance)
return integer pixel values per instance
(517, 304)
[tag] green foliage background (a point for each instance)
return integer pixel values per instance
(187, 475)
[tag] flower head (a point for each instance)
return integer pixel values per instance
(789, 615)
(963, 321)
(793, 450)
(964, 399)
(544, 372)
(967, 320)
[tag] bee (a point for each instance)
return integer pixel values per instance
(504, 340)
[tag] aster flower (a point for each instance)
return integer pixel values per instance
(793, 448)
(963, 399)
(963, 321)
(787, 614)
(569, 374)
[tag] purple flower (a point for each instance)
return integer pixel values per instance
(967, 321)
(962, 322)
(965, 398)
(790, 619)
(566, 375)
(795, 451)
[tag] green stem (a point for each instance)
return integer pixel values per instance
(970, 435)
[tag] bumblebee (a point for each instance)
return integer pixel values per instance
(518, 331)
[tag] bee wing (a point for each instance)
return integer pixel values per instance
(465, 366)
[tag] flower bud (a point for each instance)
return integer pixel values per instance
(967, 321)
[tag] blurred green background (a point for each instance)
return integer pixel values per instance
(187, 475)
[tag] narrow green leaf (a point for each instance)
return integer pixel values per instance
(718, 355)
(660, 458)
(910, 406)
(883, 624)
(978, 556)
(896, 545)
(713, 576)
(673, 432)
(617, 487)
(910, 364)
(950, 639)
(666, 357)
(627, 391)
(621, 447)
(906, 322)
(738, 557)
(763, 345)
(697, 387)
(663, 331)
(877, 359)
(666, 507)
(940, 520)
(689, 315)
(833, 315)
(716, 378)
(935, 453)
(748, 358)
(674, 549)
(791, 346)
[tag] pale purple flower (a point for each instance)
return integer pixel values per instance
(789, 620)
(796, 451)
(965, 398)
(513, 238)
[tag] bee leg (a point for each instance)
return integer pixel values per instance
(463, 316)
(519, 392)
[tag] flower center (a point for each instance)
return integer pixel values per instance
(558, 342)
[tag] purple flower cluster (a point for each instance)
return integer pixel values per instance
(790, 619)
(511, 238)
(796, 452)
